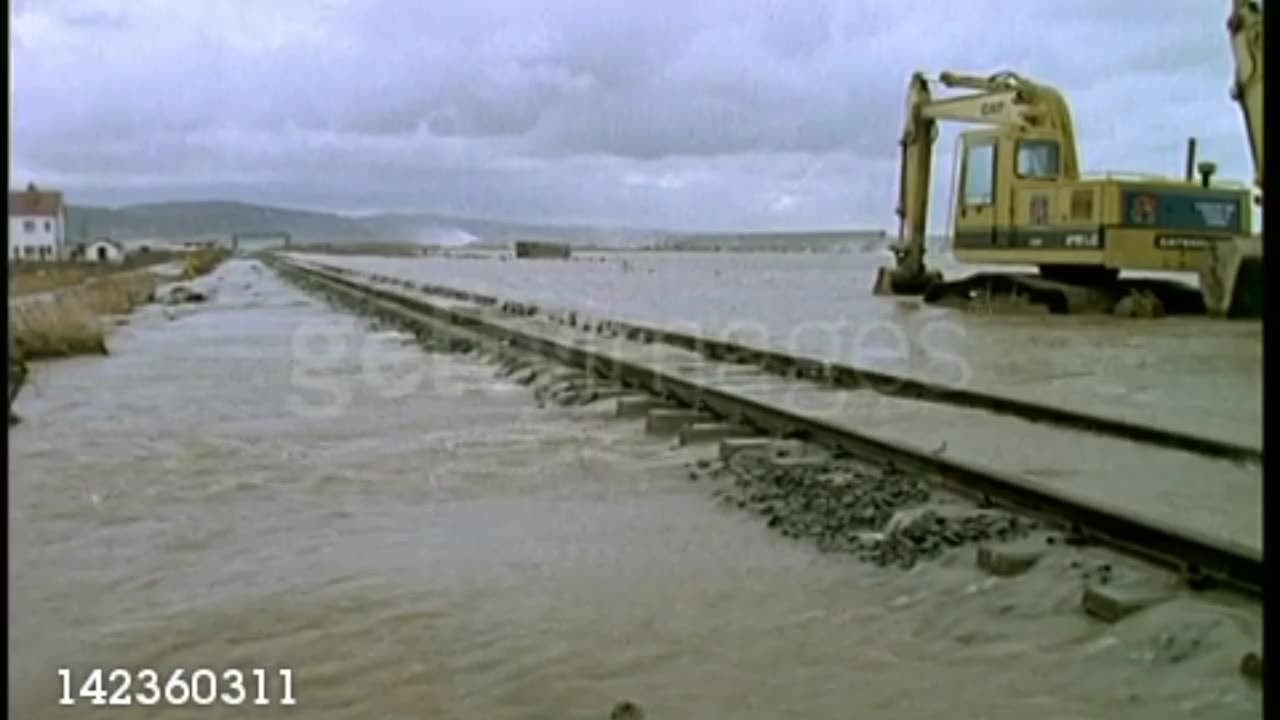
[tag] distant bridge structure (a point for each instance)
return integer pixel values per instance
(247, 242)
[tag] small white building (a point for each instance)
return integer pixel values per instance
(37, 225)
(103, 250)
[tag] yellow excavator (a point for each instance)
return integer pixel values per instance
(1021, 200)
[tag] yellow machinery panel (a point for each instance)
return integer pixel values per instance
(1012, 207)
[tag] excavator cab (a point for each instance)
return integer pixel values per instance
(1006, 181)
(1014, 206)
(976, 198)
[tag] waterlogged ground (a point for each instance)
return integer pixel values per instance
(247, 484)
(1194, 374)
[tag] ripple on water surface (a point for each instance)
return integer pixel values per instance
(458, 553)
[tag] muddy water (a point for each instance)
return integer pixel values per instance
(1194, 374)
(456, 552)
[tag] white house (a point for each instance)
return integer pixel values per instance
(103, 250)
(37, 225)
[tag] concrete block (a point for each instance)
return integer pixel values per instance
(1116, 602)
(609, 392)
(588, 391)
(791, 463)
(524, 376)
(671, 422)
(640, 405)
(710, 432)
(1010, 559)
(559, 376)
(729, 446)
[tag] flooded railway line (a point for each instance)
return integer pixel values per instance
(475, 555)
(838, 375)
(816, 477)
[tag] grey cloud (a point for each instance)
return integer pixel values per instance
(718, 112)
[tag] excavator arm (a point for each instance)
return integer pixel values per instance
(1232, 279)
(1003, 99)
(1245, 27)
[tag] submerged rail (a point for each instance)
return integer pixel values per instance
(1197, 558)
(848, 377)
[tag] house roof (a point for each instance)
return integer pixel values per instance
(34, 202)
(107, 241)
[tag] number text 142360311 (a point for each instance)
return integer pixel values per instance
(201, 686)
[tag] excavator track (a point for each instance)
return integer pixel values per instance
(1133, 297)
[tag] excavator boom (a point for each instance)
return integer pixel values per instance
(1232, 279)
(1245, 28)
(1004, 99)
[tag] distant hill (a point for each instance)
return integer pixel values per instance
(453, 230)
(219, 220)
(208, 220)
(181, 221)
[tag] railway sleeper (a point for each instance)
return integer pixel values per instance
(667, 422)
(640, 405)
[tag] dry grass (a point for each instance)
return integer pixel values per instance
(203, 262)
(69, 323)
(45, 279)
(59, 327)
(29, 278)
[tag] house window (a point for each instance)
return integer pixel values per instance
(48, 226)
(980, 174)
(29, 225)
(29, 251)
(1038, 159)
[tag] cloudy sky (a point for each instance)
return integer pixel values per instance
(689, 114)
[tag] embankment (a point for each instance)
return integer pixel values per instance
(74, 320)
(31, 278)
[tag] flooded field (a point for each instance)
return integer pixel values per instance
(1194, 374)
(444, 548)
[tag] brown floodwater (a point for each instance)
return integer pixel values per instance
(228, 491)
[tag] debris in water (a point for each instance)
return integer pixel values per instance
(626, 710)
(181, 294)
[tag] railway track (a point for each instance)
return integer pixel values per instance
(840, 375)
(702, 375)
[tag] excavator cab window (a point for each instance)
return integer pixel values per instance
(979, 174)
(1037, 159)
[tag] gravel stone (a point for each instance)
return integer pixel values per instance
(879, 515)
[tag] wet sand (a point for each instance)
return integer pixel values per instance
(1198, 375)
(457, 552)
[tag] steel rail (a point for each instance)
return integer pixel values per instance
(854, 378)
(1199, 560)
